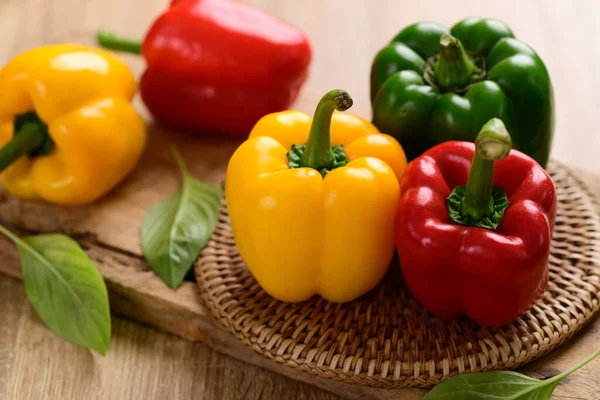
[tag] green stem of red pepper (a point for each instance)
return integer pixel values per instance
(480, 203)
(110, 41)
(454, 69)
(30, 138)
(318, 152)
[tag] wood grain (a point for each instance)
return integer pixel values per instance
(146, 364)
(142, 364)
(12, 297)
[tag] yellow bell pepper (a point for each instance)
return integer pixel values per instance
(319, 218)
(68, 130)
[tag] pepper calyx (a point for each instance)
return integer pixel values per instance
(480, 203)
(454, 69)
(498, 204)
(339, 158)
(31, 122)
(318, 153)
(30, 138)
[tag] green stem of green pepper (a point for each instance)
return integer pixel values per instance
(454, 69)
(109, 40)
(493, 143)
(318, 153)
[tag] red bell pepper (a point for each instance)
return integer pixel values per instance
(480, 249)
(218, 65)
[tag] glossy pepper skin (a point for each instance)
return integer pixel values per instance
(452, 269)
(422, 109)
(208, 57)
(302, 234)
(82, 97)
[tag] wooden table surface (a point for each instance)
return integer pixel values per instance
(146, 364)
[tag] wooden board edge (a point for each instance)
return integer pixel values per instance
(136, 293)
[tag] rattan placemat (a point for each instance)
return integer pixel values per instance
(386, 338)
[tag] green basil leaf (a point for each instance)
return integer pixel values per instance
(496, 385)
(65, 289)
(542, 393)
(177, 229)
(487, 385)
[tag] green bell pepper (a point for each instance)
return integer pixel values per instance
(426, 88)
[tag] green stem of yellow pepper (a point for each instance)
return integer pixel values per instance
(30, 138)
(318, 153)
(454, 69)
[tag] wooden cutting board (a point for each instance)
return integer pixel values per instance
(109, 231)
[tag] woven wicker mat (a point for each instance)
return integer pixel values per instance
(386, 338)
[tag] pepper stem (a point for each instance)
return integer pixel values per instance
(492, 143)
(454, 69)
(110, 41)
(318, 153)
(29, 139)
